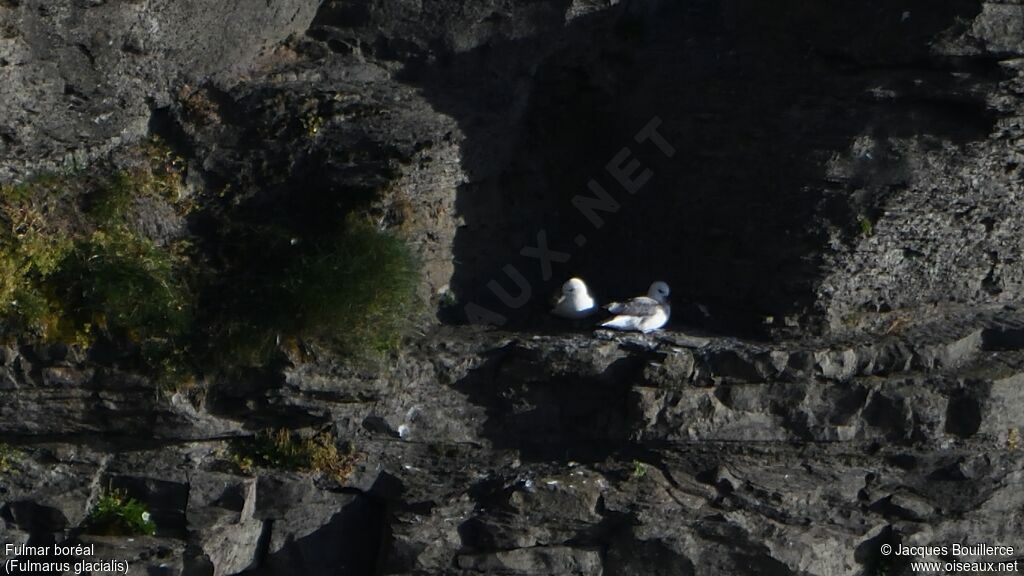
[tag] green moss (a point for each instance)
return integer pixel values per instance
(283, 450)
(115, 514)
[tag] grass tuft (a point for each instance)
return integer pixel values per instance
(354, 289)
(359, 290)
(283, 450)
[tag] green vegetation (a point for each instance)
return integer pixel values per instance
(867, 227)
(75, 266)
(283, 450)
(352, 287)
(120, 282)
(115, 514)
(359, 290)
(31, 249)
(639, 470)
(8, 456)
(71, 267)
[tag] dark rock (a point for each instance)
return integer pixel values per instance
(555, 560)
(845, 207)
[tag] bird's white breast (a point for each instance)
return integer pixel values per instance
(656, 320)
(575, 306)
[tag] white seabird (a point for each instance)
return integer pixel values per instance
(643, 313)
(575, 301)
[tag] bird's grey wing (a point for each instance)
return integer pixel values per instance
(641, 306)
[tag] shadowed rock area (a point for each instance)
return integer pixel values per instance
(839, 217)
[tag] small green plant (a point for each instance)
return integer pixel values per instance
(170, 364)
(639, 470)
(312, 122)
(241, 462)
(283, 450)
(8, 456)
(867, 228)
(1013, 439)
(115, 514)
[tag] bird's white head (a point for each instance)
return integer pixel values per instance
(574, 286)
(659, 291)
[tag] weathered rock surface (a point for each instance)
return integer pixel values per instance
(80, 78)
(496, 452)
(843, 196)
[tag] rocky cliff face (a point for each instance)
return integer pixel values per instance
(842, 197)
